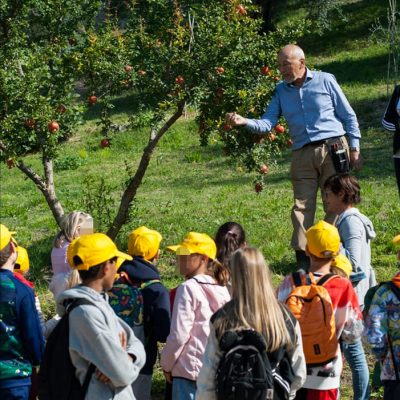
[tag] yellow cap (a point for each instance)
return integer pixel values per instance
(396, 240)
(343, 263)
(196, 243)
(22, 263)
(5, 236)
(93, 250)
(323, 240)
(144, 242)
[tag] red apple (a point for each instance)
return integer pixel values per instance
(290, 143)
(61, 109)
(128, 68)
(226, 127)
(279, 129)
(53, 126)
(264, 169)
(105, 143)
(180, 80)
(241, 10)
(220, 70)
(258, 187)
(271, 137)
(92, 99)
(30, 123)
(141, 72)
(265, 70)
(219, 92)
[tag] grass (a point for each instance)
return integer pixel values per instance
(189, 187)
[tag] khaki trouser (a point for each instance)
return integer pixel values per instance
(311, 166)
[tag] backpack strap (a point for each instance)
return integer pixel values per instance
(302, 279)
(92, 367)
(324, 279)
(146, 284)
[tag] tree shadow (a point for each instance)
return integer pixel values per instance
(40, 261)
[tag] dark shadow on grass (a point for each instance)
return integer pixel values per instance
(40, 261)
(284, 266)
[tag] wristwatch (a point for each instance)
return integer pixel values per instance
(354, 149)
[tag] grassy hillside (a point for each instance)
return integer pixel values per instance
(188, 187)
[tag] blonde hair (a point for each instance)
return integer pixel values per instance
(74, 279)
(254, 305)
(70, 227)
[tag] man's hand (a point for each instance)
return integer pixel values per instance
(234, 119)
(356, 160)
(168, 376)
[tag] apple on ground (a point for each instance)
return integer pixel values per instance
(105, 143)
(220, 70)
(258, 187)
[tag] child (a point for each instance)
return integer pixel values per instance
(72, 226)
(143, 246)
(323, 244)
(229, 237)
(201, 295)
(356, 232)
(253, 306)
(21, 340)
(96, 335)
(383, 333)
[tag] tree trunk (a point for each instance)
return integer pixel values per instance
(130, 191)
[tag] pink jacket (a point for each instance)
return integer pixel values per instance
(197, 299)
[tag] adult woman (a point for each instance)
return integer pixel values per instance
(356, 231)
(73, 225)
(253, 306)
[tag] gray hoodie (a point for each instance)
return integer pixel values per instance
(94, 338)
(356, 232)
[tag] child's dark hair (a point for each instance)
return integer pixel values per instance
(5, 254)
(92, 272)
(230, 237)
(346, 184)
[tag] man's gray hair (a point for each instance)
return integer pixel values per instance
(293, 50)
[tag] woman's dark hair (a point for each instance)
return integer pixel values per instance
(92, 272)
(230, 237)
(5, 253)
(345, 184)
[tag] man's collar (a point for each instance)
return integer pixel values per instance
(309, 76)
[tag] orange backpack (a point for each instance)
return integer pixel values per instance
(312, 306)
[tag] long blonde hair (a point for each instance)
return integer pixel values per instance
(254, 305)
(70, 227)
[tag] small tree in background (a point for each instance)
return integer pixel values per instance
(209, 55)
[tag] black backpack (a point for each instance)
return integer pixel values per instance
(57, 379)
(247, 372)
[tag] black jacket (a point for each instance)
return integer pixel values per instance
(156, 313)
(391, 120)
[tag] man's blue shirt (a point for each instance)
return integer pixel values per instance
(315, 111)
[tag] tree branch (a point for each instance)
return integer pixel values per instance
(130, 191)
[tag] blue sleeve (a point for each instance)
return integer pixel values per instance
(344, 111)
(269, 119)
(351, 234)
(159, 311)
(31, 331)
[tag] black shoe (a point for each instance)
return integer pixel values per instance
(302, 260)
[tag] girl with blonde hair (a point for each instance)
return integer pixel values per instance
(73, 225)
(253, 306)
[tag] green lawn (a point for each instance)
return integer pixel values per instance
(188, 187)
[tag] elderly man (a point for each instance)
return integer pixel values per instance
(318, 115)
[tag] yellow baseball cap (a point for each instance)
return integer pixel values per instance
(196, 243)
(93, 249)
(5, 236)
(323, 240)
(22, 263)
(396, 240)
(144, 242)
(343, 263)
